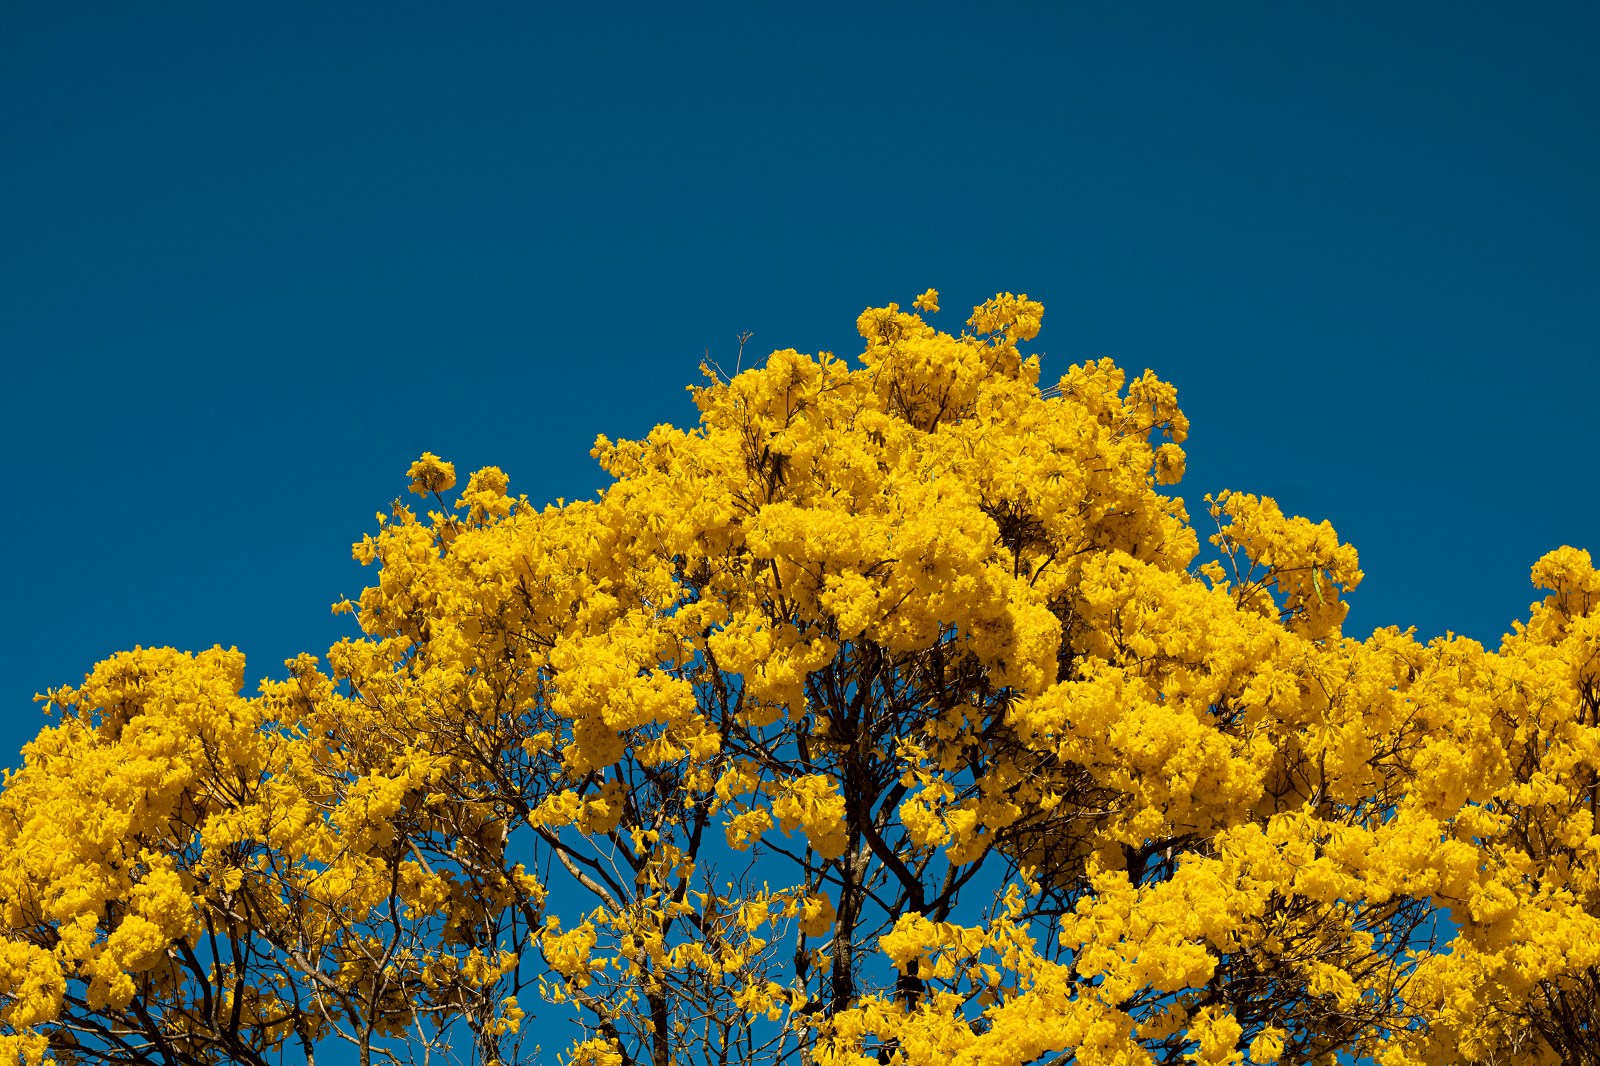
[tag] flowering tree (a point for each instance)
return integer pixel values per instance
(882, 717)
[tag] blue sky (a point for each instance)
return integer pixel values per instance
(255, 259)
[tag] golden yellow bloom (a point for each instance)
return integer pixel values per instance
(432, 474)
(888, 713)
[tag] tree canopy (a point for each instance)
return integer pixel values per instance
(885, 716)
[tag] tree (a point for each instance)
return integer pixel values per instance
(884, 716)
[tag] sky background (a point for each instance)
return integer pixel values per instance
(254, 259)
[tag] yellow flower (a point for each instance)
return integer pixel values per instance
(431, 474)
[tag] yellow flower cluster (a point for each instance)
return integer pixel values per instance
(884, 716)
(182, 863)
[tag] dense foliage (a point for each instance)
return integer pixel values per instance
(884, 716)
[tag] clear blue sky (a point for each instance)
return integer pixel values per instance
(256, 258)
